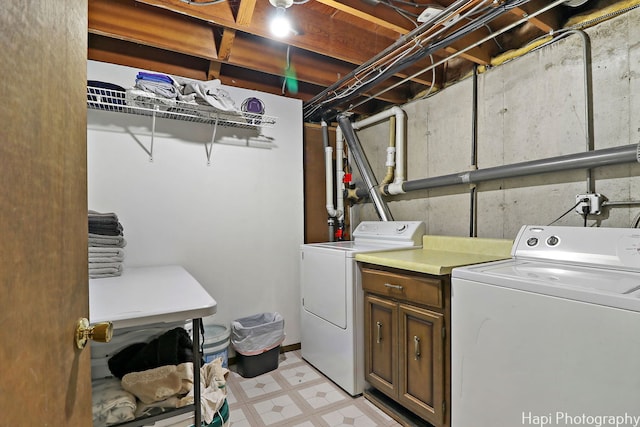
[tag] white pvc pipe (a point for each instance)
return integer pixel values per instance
(339, 174)
(328, 167)
(399, 177)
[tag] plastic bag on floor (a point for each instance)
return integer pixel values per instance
(258, 333)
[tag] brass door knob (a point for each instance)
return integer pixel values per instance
(100, 332)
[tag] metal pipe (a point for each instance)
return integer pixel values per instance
(591, 159)
(363, 166)
(401, 42)
(457, 53)
(473, 194)
(588, 97)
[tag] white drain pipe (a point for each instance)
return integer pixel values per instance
(333, 211)
(339, 175)
(395, 156)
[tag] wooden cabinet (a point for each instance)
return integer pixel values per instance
(407, 350)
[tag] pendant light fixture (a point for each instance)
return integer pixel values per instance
(280, 25)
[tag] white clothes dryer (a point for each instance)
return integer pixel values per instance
(332, 298)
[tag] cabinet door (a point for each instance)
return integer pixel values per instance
(381, 341)
(421, 382)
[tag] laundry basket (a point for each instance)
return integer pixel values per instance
(256, 340)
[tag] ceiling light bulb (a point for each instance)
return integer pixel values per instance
(280, 25)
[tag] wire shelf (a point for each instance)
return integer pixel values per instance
(124, 102)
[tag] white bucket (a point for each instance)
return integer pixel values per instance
(216, 343)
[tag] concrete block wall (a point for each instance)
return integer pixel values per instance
(530, 108)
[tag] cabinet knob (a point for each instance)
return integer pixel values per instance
(100, 332)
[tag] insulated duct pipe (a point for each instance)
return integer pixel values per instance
(400, 116)
(364, 168)
(591, 159)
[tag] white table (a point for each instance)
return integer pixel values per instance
(146, 295)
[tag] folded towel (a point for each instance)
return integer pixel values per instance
(103, 218)
(99, 240)
(102, 267)
(105, 255)
(106, 230)
(108, 271)
(111, 403)
(100, 262)
(142, 75)
(166, 90)
(95, 251)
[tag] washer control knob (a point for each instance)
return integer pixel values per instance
(532, 241)
(553, 241)
(401, 228)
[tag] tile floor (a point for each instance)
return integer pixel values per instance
(296, 394)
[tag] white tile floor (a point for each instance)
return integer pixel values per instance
(297, 395)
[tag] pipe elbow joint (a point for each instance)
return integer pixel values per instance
(394, 188)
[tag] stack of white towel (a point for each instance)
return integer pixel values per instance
(106, 240)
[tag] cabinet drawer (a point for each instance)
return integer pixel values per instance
(416, 289)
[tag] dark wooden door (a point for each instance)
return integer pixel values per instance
(421, 385)
(381, 342)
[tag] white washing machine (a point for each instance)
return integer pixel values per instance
(552, 336)
(332, 298)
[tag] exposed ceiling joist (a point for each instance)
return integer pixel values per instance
(230, 40)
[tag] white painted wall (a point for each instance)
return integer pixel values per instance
(530, 108)
(235, 225)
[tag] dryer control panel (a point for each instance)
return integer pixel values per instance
(405, 233)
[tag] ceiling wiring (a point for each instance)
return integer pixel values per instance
(445, 60)
(416, 46)
(433, 35)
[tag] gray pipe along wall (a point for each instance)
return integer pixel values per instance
(587, 160)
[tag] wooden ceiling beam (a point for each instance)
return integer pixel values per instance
(245, 12)
(547, 22)
(126, 20)
(373, 14)
(335, 39)
(273, 63)
(122, 52)
(313, 69)
(321, 35)
(117, 18)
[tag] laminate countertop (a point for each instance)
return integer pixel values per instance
(441, 254)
